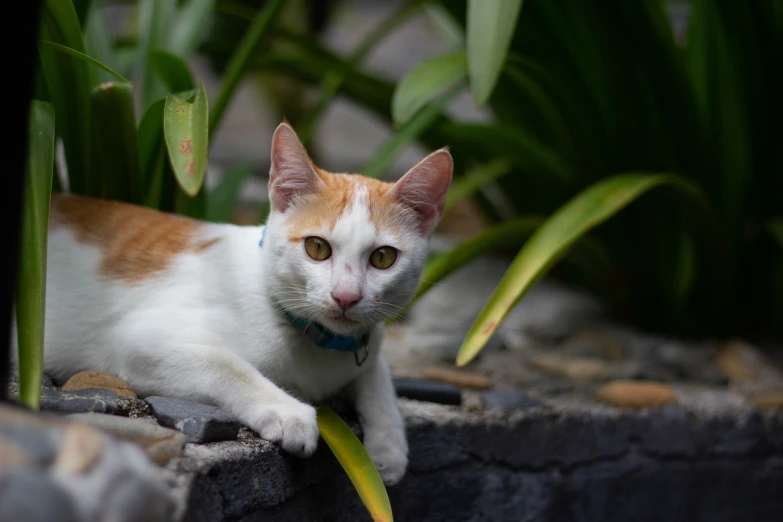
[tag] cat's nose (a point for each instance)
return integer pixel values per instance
(346, 299)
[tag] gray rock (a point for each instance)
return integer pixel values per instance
(55, 469)
(96, 400)
(508, 399)
(47, 381)
(202, 423)
(31, 495)
(430, 391)
(161, 444)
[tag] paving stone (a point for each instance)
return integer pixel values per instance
(93, 400)
(508, 399)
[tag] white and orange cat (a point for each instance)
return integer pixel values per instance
(260, 321)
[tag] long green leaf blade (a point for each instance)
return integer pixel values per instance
(185, 127)
(552, 241)
(190, 27)
(116, 143)
(409, 132)
(425, 82)
(504, 235)
(156, 18)
(473, 180)
(240, 60)
(31, 291)
(88, 59)
(68, 80)
(99, 44)
(776, 229)
(490, 26)
(173, 70)
(357, 464)
(223, 198)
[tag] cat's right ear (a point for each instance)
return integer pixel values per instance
(292, 173)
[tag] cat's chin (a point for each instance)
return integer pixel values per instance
(344, 325)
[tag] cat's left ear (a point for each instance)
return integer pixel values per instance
(292, 174)
(423, 189)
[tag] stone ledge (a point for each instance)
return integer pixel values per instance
(565, 461)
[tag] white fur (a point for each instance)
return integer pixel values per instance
(206, 329)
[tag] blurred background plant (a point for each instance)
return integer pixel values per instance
(586, 108)
(574, 111)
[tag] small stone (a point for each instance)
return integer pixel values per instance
(637, 394)
(768, 401)
(202, 423)
(91, 379)
(161, 444)
(471, 381)
(93, 400)
(591, 342)
(735, 361)
(429, 391)
(80, 448)
(11, 455)
(508, 399)
(577, 368)
(30, 435)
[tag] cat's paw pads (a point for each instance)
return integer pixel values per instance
(391, 459)
(292, 426)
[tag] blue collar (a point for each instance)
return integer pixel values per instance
(323, 337)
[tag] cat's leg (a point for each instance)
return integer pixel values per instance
(210, 375)
(375, 400)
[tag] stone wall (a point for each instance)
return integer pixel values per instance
(575, 462)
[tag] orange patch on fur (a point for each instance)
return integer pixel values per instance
(325, 207)
(137, 242)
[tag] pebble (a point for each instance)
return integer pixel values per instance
(471, 381)
(32, 495)
(735, 361)
(508, 399)
(92, 379)
(768, 401)
(161, 444)
(201, 422)
(577, 368)
(429, 391)
(93, 400)
(637, 394)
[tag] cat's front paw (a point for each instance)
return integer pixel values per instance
(389, 452)
(292, 426)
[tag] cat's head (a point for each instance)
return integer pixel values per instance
(348, 250)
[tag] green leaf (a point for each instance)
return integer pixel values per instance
(425, 82)
(356, 462)
(156, 17)
(31, 290)
(223, 198)
(152, 156)
(333, 80)
(552, 240)
(173, 70)
(776, 229)
(68, 80)
(445, 25)
(88, 59)
(473, 180)
(490, 26)
(99, 44)
(509, 234)
(240, 60)
(116, 144)
(185, 127)
(409, 132)
(190, 27)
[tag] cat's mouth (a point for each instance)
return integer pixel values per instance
(341, 323)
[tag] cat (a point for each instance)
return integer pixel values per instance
(261, 321)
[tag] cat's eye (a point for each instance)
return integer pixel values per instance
(383, 257)
(318, 248)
